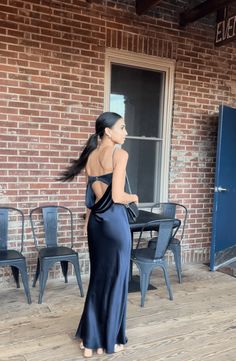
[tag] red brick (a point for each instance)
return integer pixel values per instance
(52, 89)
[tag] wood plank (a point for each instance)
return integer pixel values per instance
(202, 10)
(198, 325)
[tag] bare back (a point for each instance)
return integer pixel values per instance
(100, 162)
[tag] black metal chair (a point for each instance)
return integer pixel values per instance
(148, 258)
(173, 210)
(52, 228)
(11, 245)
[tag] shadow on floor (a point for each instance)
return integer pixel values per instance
(230, 269)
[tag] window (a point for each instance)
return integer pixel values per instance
(139, 88)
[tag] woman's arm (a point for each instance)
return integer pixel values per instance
(118, 179)
(88, 211)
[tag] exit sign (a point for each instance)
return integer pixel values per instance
(225, 30)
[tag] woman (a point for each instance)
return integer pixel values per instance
(102, 325)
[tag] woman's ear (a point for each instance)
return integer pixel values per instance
(108, 132)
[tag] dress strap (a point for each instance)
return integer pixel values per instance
(106, 201)
(127, 184)
(115, 148)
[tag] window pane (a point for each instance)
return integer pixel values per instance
(144, 168)
(136, 94)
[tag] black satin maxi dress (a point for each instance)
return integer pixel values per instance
(103, 321)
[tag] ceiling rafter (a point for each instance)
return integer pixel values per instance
(189, 15)
(144, 5)
(201, 10)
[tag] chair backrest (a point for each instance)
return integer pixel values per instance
(11, 228)
(51, 225)
(173, 210)
(165, 228)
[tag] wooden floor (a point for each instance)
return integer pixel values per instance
(199, 324)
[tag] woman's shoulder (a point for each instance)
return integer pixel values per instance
(120, 155)
(115, 152)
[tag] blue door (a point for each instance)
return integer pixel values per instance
(223, 242)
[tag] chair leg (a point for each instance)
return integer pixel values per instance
(167, 280)
(43, 276)
(144, 272)
(176, 249)
(131, 262)
(64, 267)
(36, 276)
(15, 272)
(130, 270)
(78, 276)
(24, 276)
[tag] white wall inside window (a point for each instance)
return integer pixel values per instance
(166, 67)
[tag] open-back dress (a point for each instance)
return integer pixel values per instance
(102, 324)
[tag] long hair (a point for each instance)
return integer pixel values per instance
(105, 120)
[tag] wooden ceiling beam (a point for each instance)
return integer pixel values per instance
(143, 5)
(201, 10)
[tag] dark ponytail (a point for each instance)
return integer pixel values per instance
(78, 164)
(105, 120)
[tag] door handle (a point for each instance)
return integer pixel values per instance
(220, 189)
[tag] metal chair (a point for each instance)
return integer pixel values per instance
(148, 258)
(52, 228)
(173, 210)
(11, 245)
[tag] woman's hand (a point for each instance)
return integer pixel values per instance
(84, 231)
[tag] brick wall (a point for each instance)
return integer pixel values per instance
(52, 88)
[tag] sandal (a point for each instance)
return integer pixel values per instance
(88, 352)
(81, 345)
(119, 347)
(100, 351)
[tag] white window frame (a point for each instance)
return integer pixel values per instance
(153, 63)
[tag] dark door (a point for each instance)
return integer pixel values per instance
(223, 242)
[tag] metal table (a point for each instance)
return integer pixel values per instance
(147, 216)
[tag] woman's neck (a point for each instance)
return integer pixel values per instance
(107, 142)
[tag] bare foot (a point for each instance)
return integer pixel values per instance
(119, 347)
(88, 352)
(100, 351)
